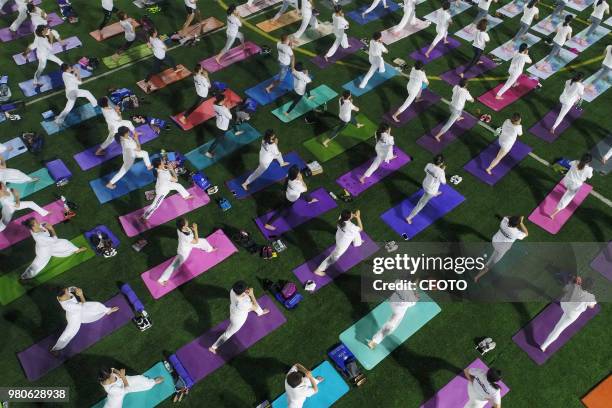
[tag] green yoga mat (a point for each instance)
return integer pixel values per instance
(348, 138)
(152, 397)
(132, 54)
(322, 94)
(11, 289)
(26, 189)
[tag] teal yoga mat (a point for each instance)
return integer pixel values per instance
(322, 94)
(26, 189)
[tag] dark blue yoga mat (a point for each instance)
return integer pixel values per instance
(259, 94)
(137, 177)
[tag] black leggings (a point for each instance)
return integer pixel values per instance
(296, 101)
(125, 46)
(220, 134)
(107, 16)
(195, 105)
(477, 53)
(168, 61)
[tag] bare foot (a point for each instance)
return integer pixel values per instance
(149, 167)
(209, 155)
(245, 186)
(325, 58)
(270, 227)
(189, 197)
(311, 97)
(81, 249)
(395, 118)
(362, 179)
(326, 142)
(319, 273)
(159, 380)
(113, 310)
(286, 113)
(55, 353)
(552, 131)
(163, 283)
(499, 98)
(437, 137)
(218, 59)
(360, 125)
(100, 152)
(460, 118)
(488, 171)
(111, 186)
(264, 312)
(314, 200)
(238, 133)
(372, 345)
(183, 119)
(409, 220)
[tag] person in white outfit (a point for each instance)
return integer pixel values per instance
(414, 87)
(340, 25)
(202, 84)
(373, 6)
(191, 7)
(10, 202)
(511, 129)
(48, 245)
(400, 301)
(13, 175)
(383, 148)
(460, 96)
(408, 18)
(161, 58)
(78, 311)
(72, 79)
(308, 19)
(345, 114)
(377, 63)
(112, 116)
(233, 31)
(129, 33)
(38, 17)
(167, 181)
(108, 8)
(117, 385)
(481, 38)
(563, 34)
(300, 384)
(285, 6)
(223, 119)
(443, 21)
(242, 301)
(44, 38)
(605, 70)
(600, 7)
(530, 12)
(301, 81)
(482, 14)
(286, 61)
(267, 154)
(347, 234)
(579, 172)
(482, 387)
(131, 149)
(571, 95)
(434, 176)
(188, 239)
(517, 65)
(22, 10)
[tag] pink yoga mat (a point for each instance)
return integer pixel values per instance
(539, 216)
(525, 85)
(197, 263)
(15, 232)
(234, 55)
(172, 207)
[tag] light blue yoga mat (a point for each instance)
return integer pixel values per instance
(26, 189)
(49, 82)
(77, 115)
(137, 177)
(357, 336)
(322, 94)
(17, 148)
(376, 80)
(331, 389)
(259, 94)
(560, 61)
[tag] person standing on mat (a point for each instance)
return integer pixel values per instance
(408, 18)
(130, 146)
(242, 301)
(309, 18)
(443, 21)
(579, 172)
(233, 26)
(604, 71)
(575, 301)
(112, 116)
(377, 63)
(416, 82)
(340, 25)
(284, 7)
(600, 7)
(78, 311)
(191, 7)
(202, 85)
(571, 96)
(72, 79)
(373, 6)
(606, 157)
(347, 234)
(223, 119)
(117, 385)
(44, 38)
(22, 10)
(483, 388)
(161, 58)
(167, 181)
(108, 8)
(38, 17)
(13, 175)
(129, 32)
(299, 385)
(460, 96)
(10, 202)
(47, 245)
(188, 239)
(563, 34)
(301, 81)
(434, 176)
(383, 148)
(511, 129)
(345, 114)
(286, 61)
(483, 14)
(267, 154)
(556, 15)
(516, 70)
(481, 38)
(530, 12)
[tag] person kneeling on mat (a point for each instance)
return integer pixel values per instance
(299, 385)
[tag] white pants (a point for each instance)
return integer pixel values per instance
(473, 401)
(21, 17)
(112, 129)
(261, 169)
(374, 4)
(71, 99)
(409, 99)
(439, 37)
(607, 156)
(42, 63)
(341, 40)
(407, 18)
(128, 162)
(230, 41)
(564, 322)
(285, 6)
(182, 256)
(421, 204)
(237, 320)
(161, 195)
(376, 64)
(9, 210)
(90, 312)
(382, 154)
(455, 114)
(398, 310)
(499, 250)
(306, 21)
(14, 176)
(136, 383)
(567, 197)
(565, 108)
(60, 248)
(509, 83)
(338, 252)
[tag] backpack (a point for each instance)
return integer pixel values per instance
(280, 288)
(5, 93)
(267, 252)
(288, 290)
(33, 141)
(243, 238)
(124, 98)
(103, 245)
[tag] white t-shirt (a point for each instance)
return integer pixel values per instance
(191, 4)
(529, 14)
(71, 82)
(376, 49)
(480, 39)
(233, 25)
(111, 116)
(295, 188)
(107, 5)
(443, 19)
(284, 53)
(460, 96)
(346, 234)
(484, 4)
(575, 299)
(518, 63)
(297, 396)
(164, 178)
(599, 10)
(37, 17)
(384, 145)
(128, 143)
(43, 46)
(128, 29)
(415, 81)
(185, 242)
(345, 110)
(240, 304)
(340, 24)
(507, 233)
(572, 92)
(115, 392)
(434, 176)
(562, 33)
(158, 46)
(223, 116)
(306, 8)
(509, 133)
(575, 178)
(300, 80)
(202, 85)
(479, 389)
(608, 58)
(269, 153)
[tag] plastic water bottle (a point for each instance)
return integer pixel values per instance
(332, 195)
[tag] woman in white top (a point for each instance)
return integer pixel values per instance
(78, 311)
(400, 301)
(579, 172)
(345, 114)
(481, 38)
(530, 12)
(47, 245)
(267, 154)
(510, 130)
(374, 4)
(22, 9)
(160, 58)
(383, 148)
(301, 79)
(308, 18)
(13, 175)
(300, 384)
(286, 60)
(564, 34)
(520, 58)
(191, 7)
(167, 181)
(188, 239)
(112, 116)
(10, 202)
(201, 81)
(108, 8)
(347, 234)
(600, 7)
(415, 87)
(460, 96)
(377, 63)
(38, 17)
(482, 387)
(129, 32)
(571, 95)
(233, 31)
(44, 38)
(434, 176)
(443, 21)
(72, 79)
(408, 18)
(117, 385)
(130, 146)
(223, 120)
(605, 70)
(483, 13)
(340, 26)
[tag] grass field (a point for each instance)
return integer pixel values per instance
(415, 370)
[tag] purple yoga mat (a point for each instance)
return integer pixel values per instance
(67, 44)
(415, 109)
(37, 361)
(531, 336)
(542, 128)
(428, 142)
(354, 46)
(87, 159)
(350, 181)
(104, 230)
(439, 50)
(27, 29)
(199, 362)
(300, 212)
(453, 78)
(603, 261)
(11, 7)
(349, 259)
(477, 166)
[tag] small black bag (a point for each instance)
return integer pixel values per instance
(33, 141)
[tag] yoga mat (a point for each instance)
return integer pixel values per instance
(78, 115)
(195, 30)
(535, 332)
(349, 137)
(137, 177)
(540, 217)
(580, 5)
(133, 53)
(457, 7)
(331, 389)
(428, 99)
(12, 289)
(469, 35)
(600, 396)
(439, 50)
(199, 362)
(542, 128)
(299, 213)
(324, 29)
(111, 30)
(435, 209)
(454, 394)
(26, 189)
(244, 10)
(564, 58)
(234, 55)
(512, 9)
(152, 397)
(603, 261)
(524, 85)
(197, 263)
(273, 174)
(428, 142)
(377, 79)
(322, 94)
(598, 153)
(478, 165)
(357, 336)
(390, 37)
(27, 29)
(15, 232)
(546, 27)
(58, 47)
(378, 13)
(354, 46)
(507, 50)
(171, 208)
(87, 159)
(350, 181)
(594, 90)
(452, 76)
(49, 82)
(164, 78)
(10, 7)
(352, 257)
(205, 111)
(288, 18)
(37, 361)
(104, 230)
(608, 22)
(17, 148)
(228, 145)
(262, 97)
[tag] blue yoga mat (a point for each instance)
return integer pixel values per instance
(376, 80)
(17, 148)
(26, 189)
(357, 336)
(436, 208)
(259, 94)
(377, 13)
(331, 389)
(77, 115)
(49, 82)
(274, 173)
(137, 177)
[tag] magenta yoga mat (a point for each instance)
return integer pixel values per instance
(233, 56)
(15, 232)
(540, 216)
